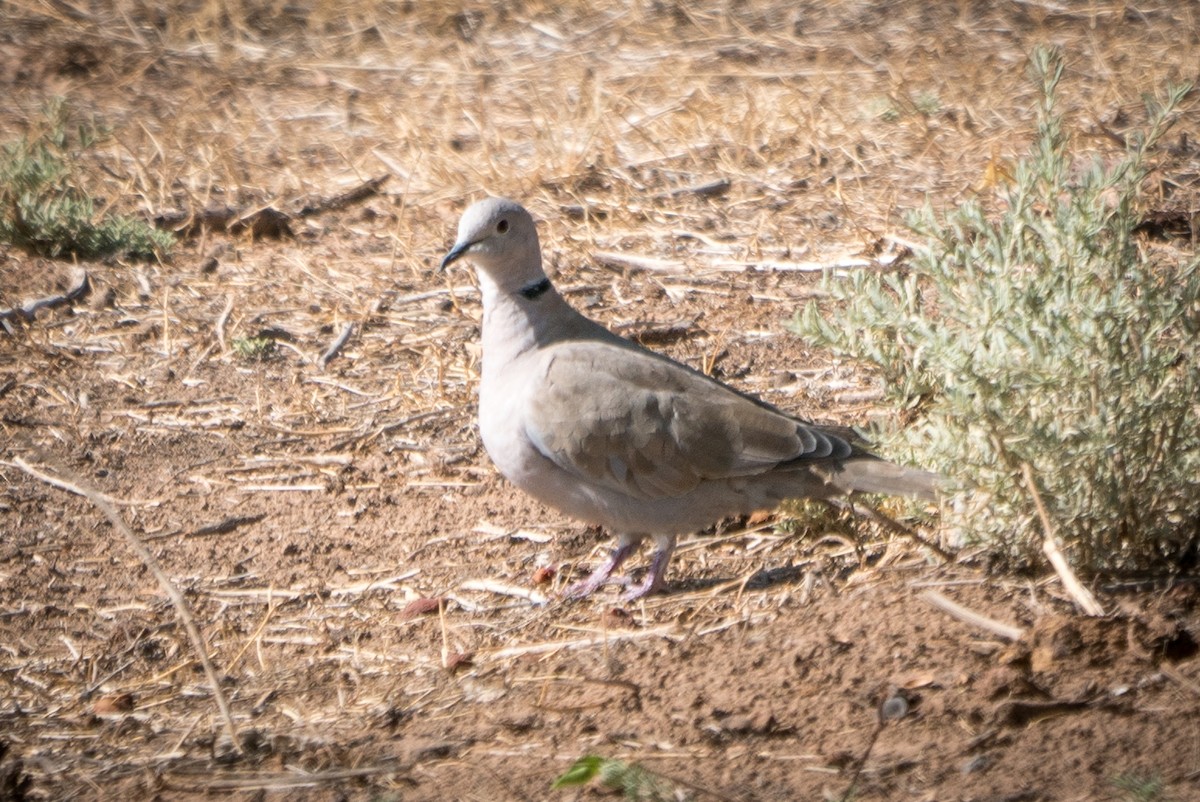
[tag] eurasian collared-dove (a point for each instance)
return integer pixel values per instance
(612, 434)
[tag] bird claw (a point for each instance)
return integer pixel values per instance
(652, 584)
(584, 588)
(640, 590)
(601, 575)
(633, 592)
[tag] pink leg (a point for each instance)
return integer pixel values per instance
(625, 546)
(654, 581)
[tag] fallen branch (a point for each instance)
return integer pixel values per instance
(1081, 595)
(504, 589)
(779, 266)
(634, 262)
(708, 189)
(264, 220)
(859, 396)
(366, 586)
(859, 764)
(225, 526)
(887, 522)
(222, 319)
(261, 221)
(1173, 673)
(336, 346)
(28, 310)
(359, 193)
(388, 428)
(219, 528)
(457, 292)
(663, 334)
(280, 781)
(968, 616)
(70, 488)
(181, 606)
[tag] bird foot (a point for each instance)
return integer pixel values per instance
(634, 590)
(584, 588)
(602, 573)
(651, 584)
(655, 577)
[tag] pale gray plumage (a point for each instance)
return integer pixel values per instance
(612, 434)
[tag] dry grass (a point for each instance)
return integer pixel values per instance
(612, 122)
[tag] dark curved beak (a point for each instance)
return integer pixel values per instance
(456, 253)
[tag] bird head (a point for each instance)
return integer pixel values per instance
(500, 238)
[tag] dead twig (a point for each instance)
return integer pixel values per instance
(781, 266)
(505, 589)
(359, 193)
(261, 221)
(281, 781)
(862, 761)
(635, 262)
(454, 293)
(264, 220)
(222, 319)
(707, 189)
(388, 428)
(70, 488)
(874, 515)
(182, 609)
(336, 346)
(28, 310)
(219, 528)
(227, 525)
(1081, 595)
(1174, 674)
(968, 616)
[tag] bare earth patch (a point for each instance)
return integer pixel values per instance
(361, 574)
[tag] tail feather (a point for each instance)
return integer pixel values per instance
(873, 475)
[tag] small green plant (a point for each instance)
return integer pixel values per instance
(891, 109)
(634, 782)
(1046, 357)
(253, 349)
(42, 208)
(927, 104)
(1139, 788)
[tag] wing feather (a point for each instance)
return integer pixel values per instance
(632, 421)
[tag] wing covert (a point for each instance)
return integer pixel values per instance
(637, 423)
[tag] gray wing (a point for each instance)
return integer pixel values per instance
(631, 421)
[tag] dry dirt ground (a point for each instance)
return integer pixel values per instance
(306, 511)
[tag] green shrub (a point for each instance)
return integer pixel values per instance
(635, 783)
(42, 209)
(1042, 339)
(1139, 788)
(253, 349)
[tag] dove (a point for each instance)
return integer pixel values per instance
(612, 434)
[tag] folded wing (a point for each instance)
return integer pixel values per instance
(640, 424)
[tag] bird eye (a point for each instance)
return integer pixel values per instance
(502, 226)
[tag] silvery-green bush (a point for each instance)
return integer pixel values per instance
(43, 209)
(1043, 339)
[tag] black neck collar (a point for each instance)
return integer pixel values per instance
(535, 290)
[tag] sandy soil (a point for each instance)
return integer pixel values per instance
(360, 573)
